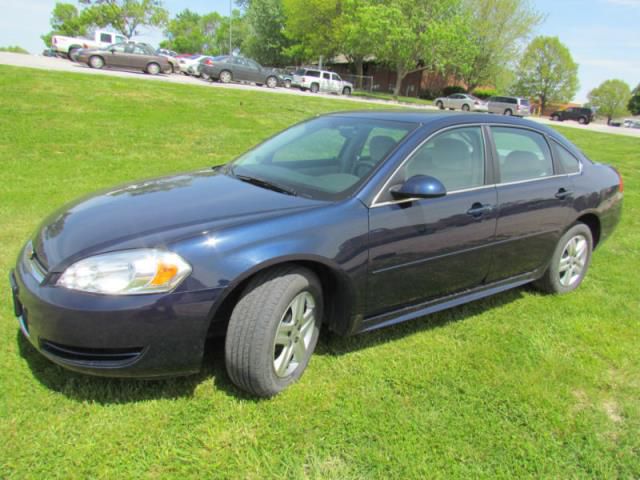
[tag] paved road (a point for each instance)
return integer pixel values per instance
(59, 64)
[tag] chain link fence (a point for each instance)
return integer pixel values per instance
(363, 83)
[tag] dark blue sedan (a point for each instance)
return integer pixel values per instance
(351, 221)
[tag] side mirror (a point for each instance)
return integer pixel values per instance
(420, 186)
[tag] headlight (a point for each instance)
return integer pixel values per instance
(129, 272)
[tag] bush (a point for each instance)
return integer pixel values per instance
(484, 93)
(429, 94)
(451, 89)
(13, 49)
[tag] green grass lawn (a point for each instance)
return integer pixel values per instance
(518, 385)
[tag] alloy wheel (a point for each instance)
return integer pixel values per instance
(573, 260)
(293, 335)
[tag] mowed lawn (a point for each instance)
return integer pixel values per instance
(518, 385)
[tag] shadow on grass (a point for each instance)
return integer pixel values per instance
(108, 391)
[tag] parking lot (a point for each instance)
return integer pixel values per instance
(60, 64)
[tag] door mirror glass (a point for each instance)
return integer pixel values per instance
(420, 186)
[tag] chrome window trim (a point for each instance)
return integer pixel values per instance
(375, 203)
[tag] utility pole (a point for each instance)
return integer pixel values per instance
(230, 27)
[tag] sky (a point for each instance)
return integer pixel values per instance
(602, 35)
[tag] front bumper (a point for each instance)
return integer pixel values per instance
(117, 336)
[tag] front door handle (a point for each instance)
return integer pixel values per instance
(563, 193)
(478, 209)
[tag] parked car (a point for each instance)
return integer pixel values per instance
(461, 101)
(351, 221)
(174, 64)
(631, 123)
(49, 52)
(316, 81)
(187, 62)
(127, 56)
(582, 115)
(509, 106)
(234, 68)
(285, 78)
(67, 46)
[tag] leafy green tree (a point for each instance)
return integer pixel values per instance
(610, 98)
(547, 72)
(238, 33)
(126, 16)
(413, 35)
(190, 32)
(634, 103)
(497, 28)
(310, 25)
(67, 20)
(265, 40)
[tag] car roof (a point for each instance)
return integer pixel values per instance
(450, 118)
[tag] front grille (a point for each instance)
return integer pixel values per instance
(91, 356)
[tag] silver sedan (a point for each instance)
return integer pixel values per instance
(461, 101)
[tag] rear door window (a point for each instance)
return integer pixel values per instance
(523, 154)
(568, 162)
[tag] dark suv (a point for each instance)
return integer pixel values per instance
(581, 115)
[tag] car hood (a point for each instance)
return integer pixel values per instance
(154, 213)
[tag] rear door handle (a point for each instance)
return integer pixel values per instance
(478, 209)
(563, 193)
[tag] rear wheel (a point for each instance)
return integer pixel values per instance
(273, 330)
(225, 76)
(272, 82)
(582, 120)
(96, 62)
(72, 52)
(465, 107)
(555, 118)
(153, 69)
(440, 105)
(287, 84)
(508, 112)
(570, 261)
(315, 88)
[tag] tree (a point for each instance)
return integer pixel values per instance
(126, 16)
(547, 72)
(310, 26)
(413, 35)
(610, 98)
(67, 20)
(497, 28)
(190, 32)
(634, 103)
(265, 40)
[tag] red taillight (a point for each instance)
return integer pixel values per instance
(208, 61)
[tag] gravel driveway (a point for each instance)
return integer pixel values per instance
(60, 64)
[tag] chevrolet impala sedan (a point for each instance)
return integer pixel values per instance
(349, 222)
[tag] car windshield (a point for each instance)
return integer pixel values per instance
(326, 158)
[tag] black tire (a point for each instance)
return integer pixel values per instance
(272, 82)
(465, 107)
(440, 105)
(71, 52)
(96, 61)
(551, 280)
(555, 118)
(346, 91)
(250, 349)
(153, 68)
(225, 76)
(582, 120)
(287, 84)
(315, 88)
(508, 112)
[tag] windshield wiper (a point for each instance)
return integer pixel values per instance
(260, 182)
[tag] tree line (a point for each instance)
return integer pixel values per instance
(476, 43)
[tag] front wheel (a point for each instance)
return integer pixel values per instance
(570, 261)
(555, 118)
(346, 91)
(582, 121)
(508, 112)
(315, 88)
(465, 107)
(273, 330)
(287, 84)
(440, 105)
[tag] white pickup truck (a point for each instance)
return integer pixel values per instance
(68, 45)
